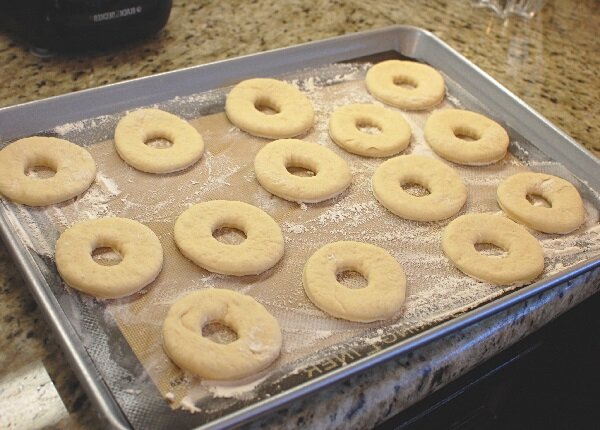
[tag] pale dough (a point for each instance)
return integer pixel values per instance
(138, 245)
(138, 127)
(443, 127)
(394, 131)
(426, 86)
(381, 299)
(332, 174)
(257, 346)
(565, 215)
(261, 250)
(524, 260)
(447, 193)
(74, 166)
(294, 112)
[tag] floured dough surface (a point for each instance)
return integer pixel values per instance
(524, 260)
(261, 250)
(447, 193)
(406, 84)
(380, 299)
(565, 214)
(257, 346)
(293, 112)
(345, 125)
(74, 166)
(141, 251)
(486, 141)
(140, 126)
(331, 173)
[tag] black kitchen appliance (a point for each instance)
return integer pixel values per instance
(65, 25)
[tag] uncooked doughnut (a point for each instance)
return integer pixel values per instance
(380, 299)
(394, 131)
(257, 346)
(261, 250)
(447, 193)
(138, 245)
(74, 166)
(293, 115)
(565, 215)
(138, 127)
(443, 127)
(332, 174)
(525, 259)
(425, 84)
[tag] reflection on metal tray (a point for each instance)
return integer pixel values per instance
(116, 381)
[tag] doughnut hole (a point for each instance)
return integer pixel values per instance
(351, 279)
(106, 256)
(490, 250)
(299, 166)
(466, 133)
(229, 235)
(158, 140)
(415, 189)
(406, 82)
(300, 171)
(267, 106)
(219, 332)
(40, 168)
(365, 125)
(538, 200)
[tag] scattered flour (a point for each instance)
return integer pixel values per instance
(238, 389)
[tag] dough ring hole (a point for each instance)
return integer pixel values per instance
(106, 256)
(158, 141)
(300, 168)
(300, 171)
(351, 279)
(466, 133)
(266, 106)
(490, 250)
(229, 235)
(40, 172)
(405, 82)
(416, 190)
(218, 332)
(538, 200)
(368, 127)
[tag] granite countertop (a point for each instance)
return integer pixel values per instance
(550, 62)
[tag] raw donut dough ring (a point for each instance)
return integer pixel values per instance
(383, 81)
(139, 126)
(447, 193)
(565, 215)
(380, 299)
(261, 250)
(138, 245)
(344, 125)
(74, 166)
(294, 116)
(443, 126)
(332, 174)
(525, 259)
(257, 346)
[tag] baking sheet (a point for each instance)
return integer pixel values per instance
(314, 343)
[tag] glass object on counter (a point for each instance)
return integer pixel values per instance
(504, 8)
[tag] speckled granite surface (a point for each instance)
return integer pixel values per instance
(551, 62)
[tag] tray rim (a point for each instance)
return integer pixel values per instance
(78, 357)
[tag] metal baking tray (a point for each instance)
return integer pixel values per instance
(106, 390)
